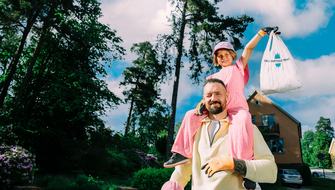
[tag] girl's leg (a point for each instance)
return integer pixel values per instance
(241, 133)
(183, 145)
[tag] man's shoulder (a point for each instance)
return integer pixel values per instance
(192, 113)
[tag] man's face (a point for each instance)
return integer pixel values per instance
(215, 97)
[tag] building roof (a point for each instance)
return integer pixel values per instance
(273, 103)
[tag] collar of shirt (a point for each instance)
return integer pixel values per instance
(221, 120)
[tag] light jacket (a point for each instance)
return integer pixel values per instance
(262, 169)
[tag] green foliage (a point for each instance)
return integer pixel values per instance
(305, 173)
(118, 163)
(148, 113)
(317, 142)
(17, 166)
(90, 183)
(151, 123)
(59, 113)
(81, 182)
(152, 178)
(307, 147)
(59, 183)
(160, 144)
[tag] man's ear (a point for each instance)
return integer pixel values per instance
(227, 96)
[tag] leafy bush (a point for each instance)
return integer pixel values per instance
(61, 183)
(89, 183)
(81, 182)
(17, 166)
(153, 178)
(42, 180)
(305, 173)
(118, 163)
(126, 162)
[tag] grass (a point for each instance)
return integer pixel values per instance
(319, 183)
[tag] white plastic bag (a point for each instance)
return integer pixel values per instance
(278, 70)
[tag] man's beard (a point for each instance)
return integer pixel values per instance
(215, 110)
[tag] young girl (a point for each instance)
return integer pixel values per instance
(241, 127)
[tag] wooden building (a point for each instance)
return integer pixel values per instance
(280, 129)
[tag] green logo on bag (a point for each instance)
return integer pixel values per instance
(277, 56)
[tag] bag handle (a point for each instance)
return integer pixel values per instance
(270, 43)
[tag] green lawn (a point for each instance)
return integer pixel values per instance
(322, 184)
(317, 184)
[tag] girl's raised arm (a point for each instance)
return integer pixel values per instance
(253, 42)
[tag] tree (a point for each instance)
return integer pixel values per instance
(317, 142)
(199, 21)
(152, 123)
(307, 147)
(144, 78)
(14, 15)
(324, 125)
(65, 95)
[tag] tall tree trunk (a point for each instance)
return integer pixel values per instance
(12, 67)
(176, 84)
(40, 80)
(129, 115)
(131, 108)
(34, 58)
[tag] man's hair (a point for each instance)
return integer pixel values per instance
(213, 80)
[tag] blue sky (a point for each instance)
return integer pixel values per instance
(307, 27)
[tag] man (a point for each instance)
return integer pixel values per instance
(211, 165)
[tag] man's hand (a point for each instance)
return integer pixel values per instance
(200, 107)
(218, 164)
(267, 30)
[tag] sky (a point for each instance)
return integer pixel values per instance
(307, 29)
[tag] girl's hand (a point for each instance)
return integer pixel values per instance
(267, 30)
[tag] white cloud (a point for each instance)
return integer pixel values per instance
(304, 128)
(292, 22)
(136, 21)
(310, 111)
(185, 90)
(317, 78)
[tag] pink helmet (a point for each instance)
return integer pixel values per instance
(223, 45)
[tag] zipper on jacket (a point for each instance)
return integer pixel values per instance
(209, 136)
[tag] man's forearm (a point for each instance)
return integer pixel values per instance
(240, 166)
